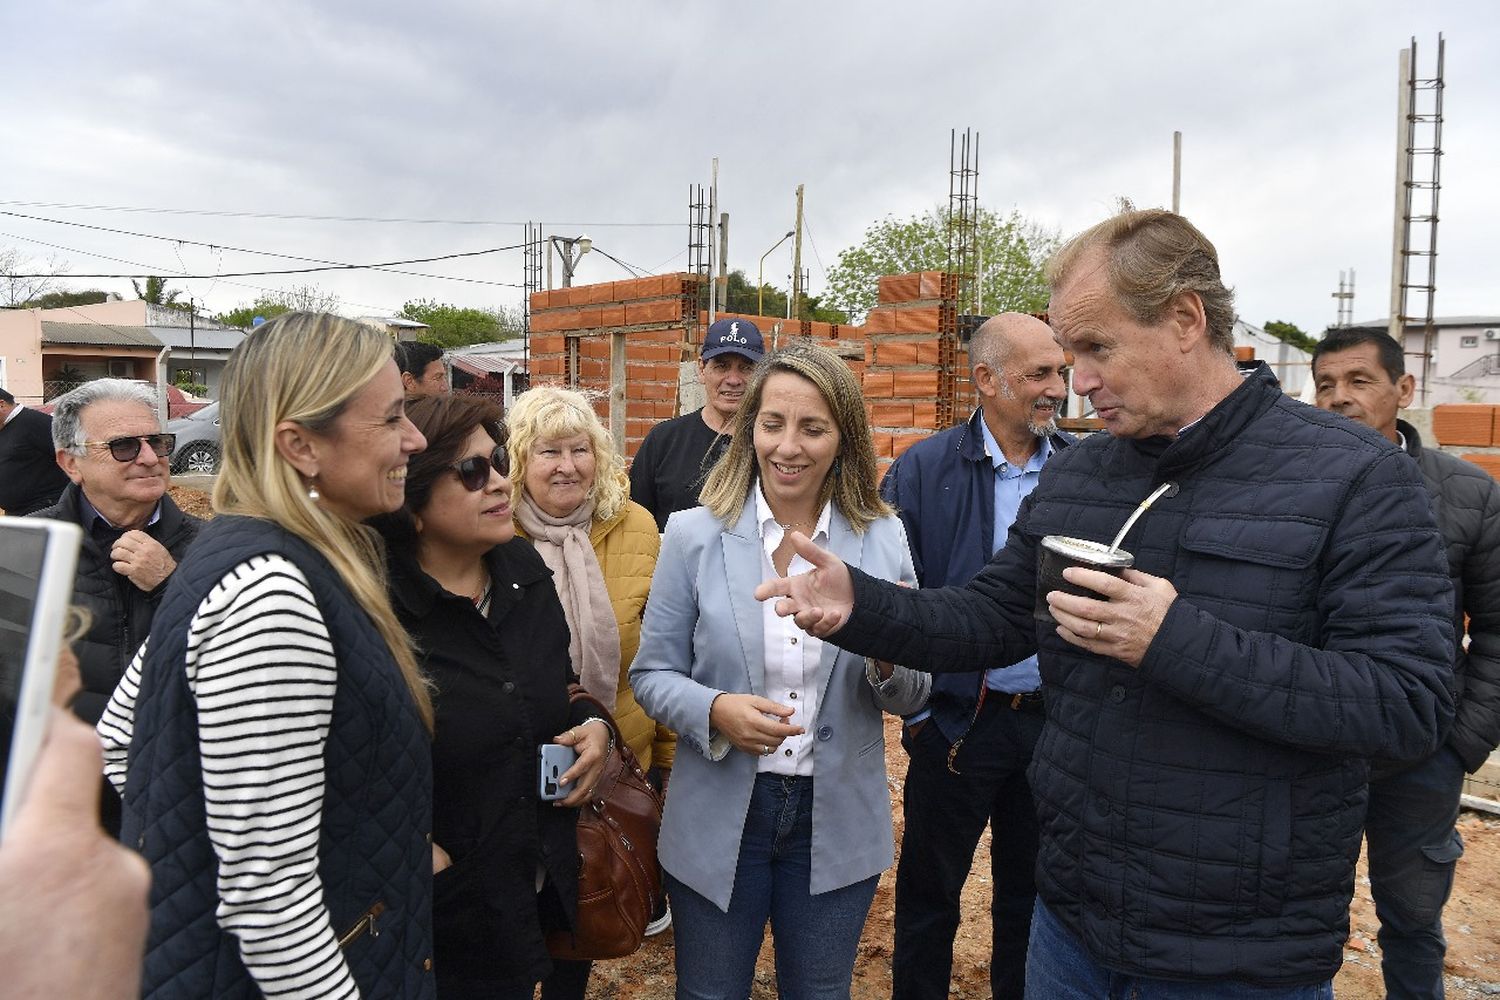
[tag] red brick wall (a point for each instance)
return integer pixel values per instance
(898, 353)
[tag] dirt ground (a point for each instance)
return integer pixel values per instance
(1472, 920)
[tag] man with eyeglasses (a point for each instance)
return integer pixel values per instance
(958, 492)
(110, 445)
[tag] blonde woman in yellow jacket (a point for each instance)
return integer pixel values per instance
(573, 503)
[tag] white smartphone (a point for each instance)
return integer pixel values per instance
(556, 759)
(37, 561)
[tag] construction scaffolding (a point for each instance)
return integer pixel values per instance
(964, 255)
(531, 281)
(963, 283)
(1419, 163)
(700, 236)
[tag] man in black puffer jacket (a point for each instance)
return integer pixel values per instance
(133, 534)
(1201, 777)
(1413, 845)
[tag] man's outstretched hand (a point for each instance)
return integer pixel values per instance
(819, 601)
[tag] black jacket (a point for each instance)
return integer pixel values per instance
(30, 477)
(1201, 815)
(121, 611)
(502, 689)
(1466, 500)
(944, 489)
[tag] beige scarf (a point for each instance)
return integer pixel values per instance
(563, 543)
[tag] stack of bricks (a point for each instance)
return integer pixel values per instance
(1470, 425)
(906, 386)
(655, 316)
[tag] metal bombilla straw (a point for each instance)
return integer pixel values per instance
(1164, 490)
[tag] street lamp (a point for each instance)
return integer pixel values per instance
(569, 261)
(760, 288)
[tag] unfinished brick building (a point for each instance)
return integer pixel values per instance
(906, 353)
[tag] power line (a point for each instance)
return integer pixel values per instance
(807, 224)
(658, 268)
(635, 272)
(284, 216)
(152, 269)
(383, 266)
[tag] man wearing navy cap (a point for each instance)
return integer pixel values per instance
(675, 457)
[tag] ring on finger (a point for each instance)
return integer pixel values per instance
(765, 751)
(1098, 629)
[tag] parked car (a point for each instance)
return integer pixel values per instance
(197, 451)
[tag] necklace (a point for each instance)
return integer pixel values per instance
(482, 599)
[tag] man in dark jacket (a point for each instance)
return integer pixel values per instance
(957, 493)
(1413, 845)
(109, 442)
(29, 476)
(1201, 776)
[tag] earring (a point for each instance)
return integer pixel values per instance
(312, 492)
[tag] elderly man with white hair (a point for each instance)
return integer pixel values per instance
(111, 446)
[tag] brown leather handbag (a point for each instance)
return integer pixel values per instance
(619, 883)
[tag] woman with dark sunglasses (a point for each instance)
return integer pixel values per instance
(490, 632)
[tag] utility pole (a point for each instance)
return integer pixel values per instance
(796, 309)
(1419, 161)
(1176, 173)
(565, 248)
(723, 261)
(713, 214)
(1397, 326)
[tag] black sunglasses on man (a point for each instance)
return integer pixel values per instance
(127, 449)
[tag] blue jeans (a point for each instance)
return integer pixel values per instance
(1058, 968)
(1413, 851)
(946, 814)
(816, 936)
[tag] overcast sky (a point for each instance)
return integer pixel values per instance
(598, 117)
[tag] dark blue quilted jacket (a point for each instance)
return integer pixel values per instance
(1201, 815)
(374, 848)
(944, 489)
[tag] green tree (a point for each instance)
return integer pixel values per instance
(742, 297)
(301, 298)
(1291, 334)
(61, 300)
(455, 326)
(157, 293)
(184, 381)
(1013, 253)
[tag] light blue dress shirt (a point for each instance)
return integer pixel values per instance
(1012, 485)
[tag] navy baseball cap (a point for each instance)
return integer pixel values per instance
(733, 336)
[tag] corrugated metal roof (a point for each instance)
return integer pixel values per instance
(225, 338)
(98, 335)
(484, 364)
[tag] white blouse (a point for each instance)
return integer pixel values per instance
(793, 674)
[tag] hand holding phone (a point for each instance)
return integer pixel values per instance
(38, 559)
(555, 761)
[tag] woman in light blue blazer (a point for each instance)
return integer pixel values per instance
(778, 807)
